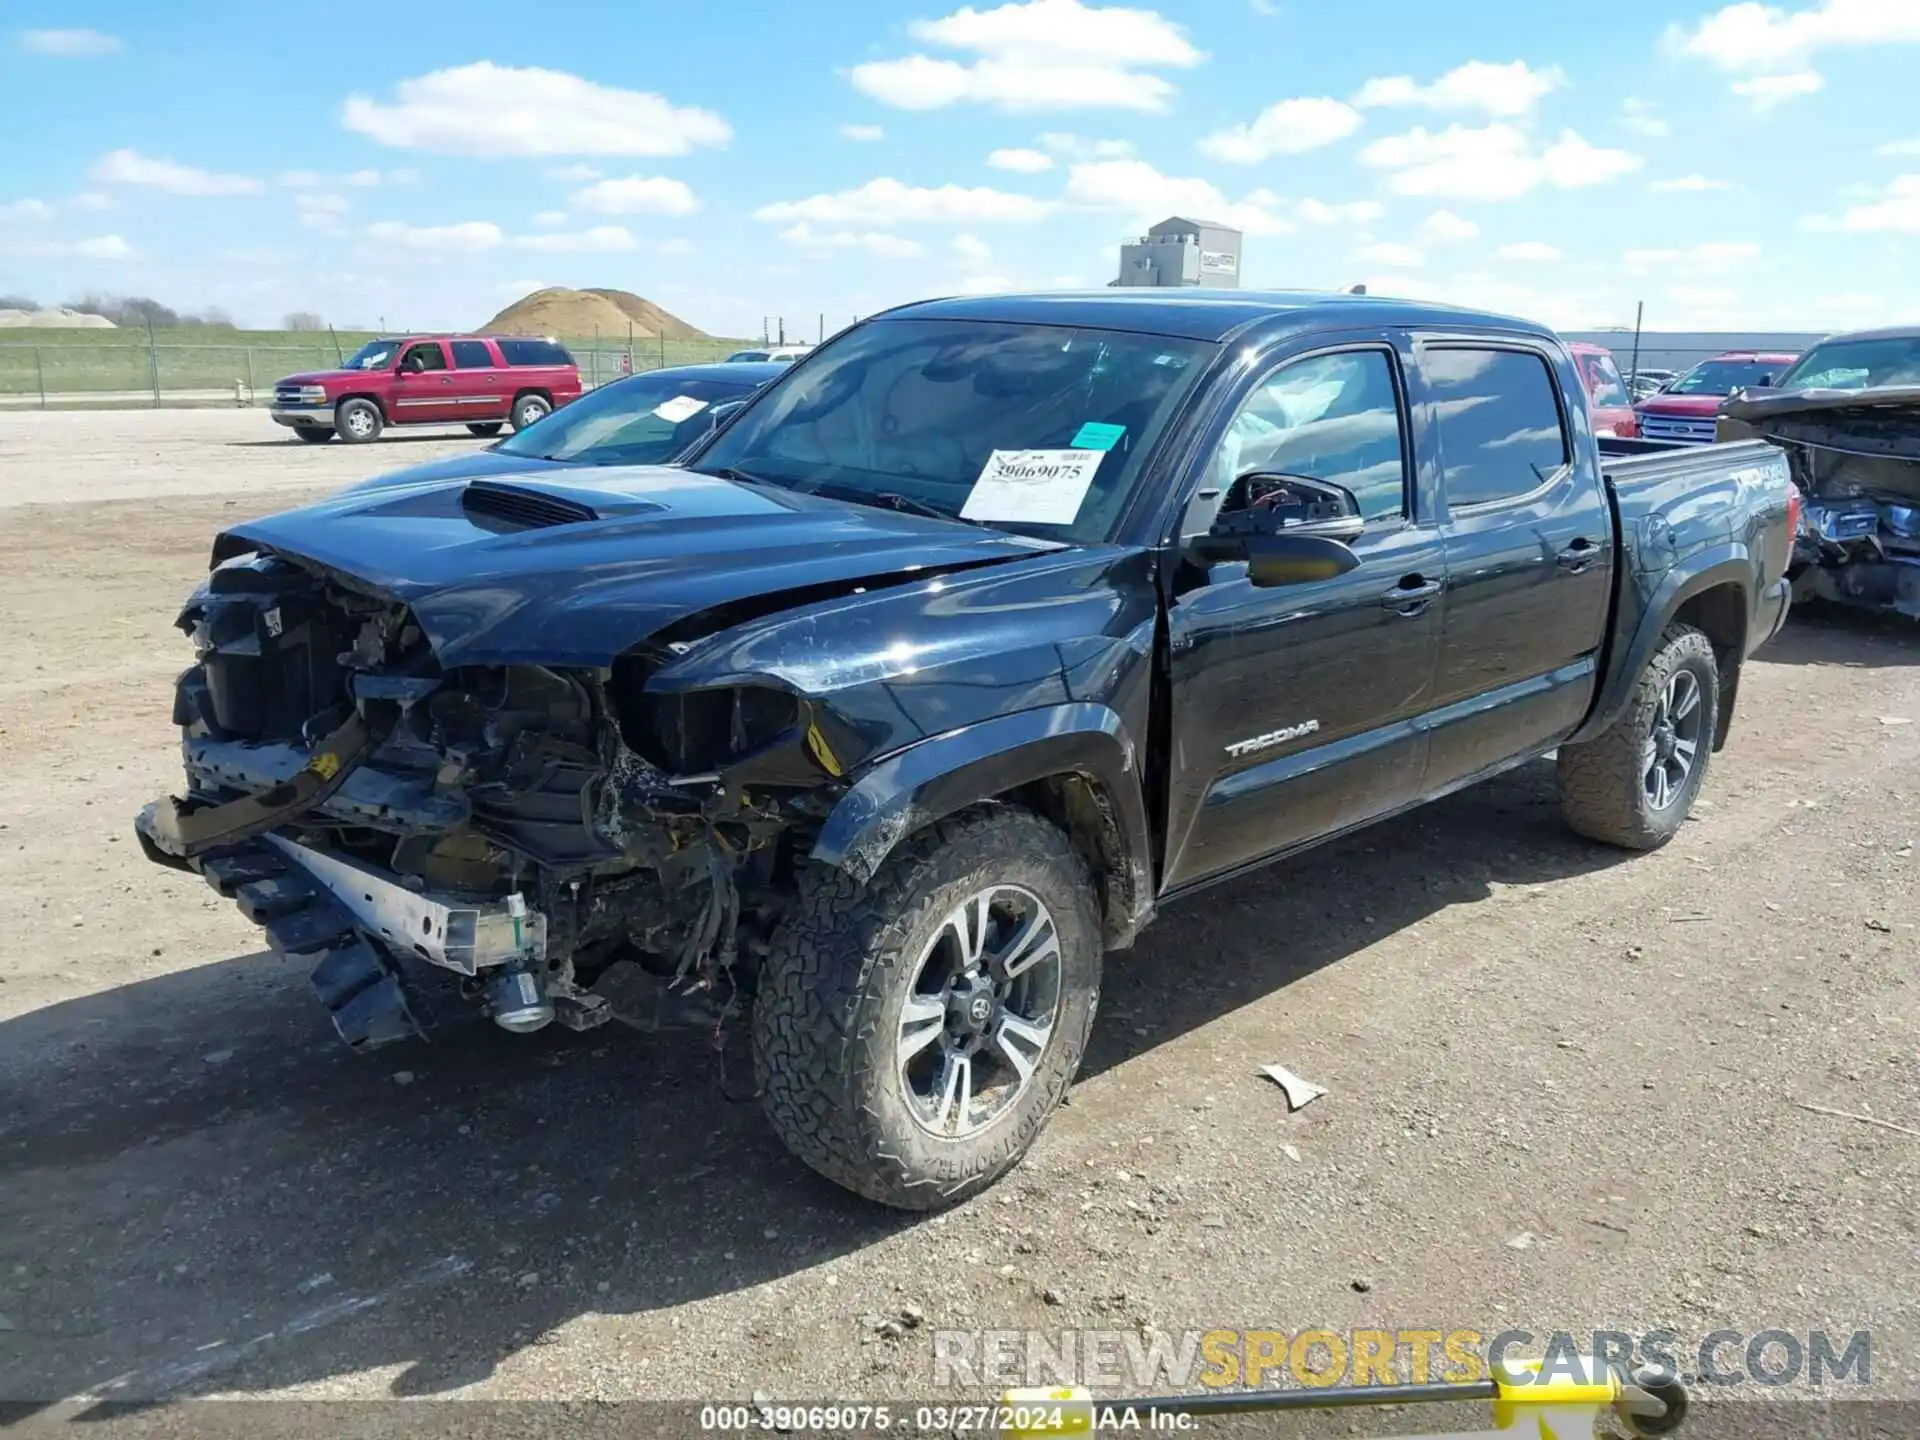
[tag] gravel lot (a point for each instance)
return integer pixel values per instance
(1565, 1086)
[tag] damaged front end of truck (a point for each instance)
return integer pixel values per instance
(491, 730)
(1856, 457)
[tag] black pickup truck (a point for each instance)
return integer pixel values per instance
(991, 627)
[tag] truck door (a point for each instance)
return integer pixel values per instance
(1529, 543)
(478, 386)
(423, 386)
(1293, 708)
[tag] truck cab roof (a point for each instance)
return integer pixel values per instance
(1207, 315)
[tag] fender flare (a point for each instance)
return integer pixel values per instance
(1730, 563)
(932, 778)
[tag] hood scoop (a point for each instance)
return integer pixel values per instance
(495, 506)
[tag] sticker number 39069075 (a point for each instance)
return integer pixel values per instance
(1037, 487)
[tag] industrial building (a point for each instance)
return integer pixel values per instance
(1182, 251)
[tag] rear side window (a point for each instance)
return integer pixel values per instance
(472, 355)
(1498, 414)
(534, 352)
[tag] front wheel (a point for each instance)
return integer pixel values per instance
(530, 410)
(358, 421)
(314, 434)
(911, 1036)
(485, 431)
(1635, 783)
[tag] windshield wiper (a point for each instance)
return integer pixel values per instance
(911, 506)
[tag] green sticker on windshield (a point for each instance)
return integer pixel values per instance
(1095, 436)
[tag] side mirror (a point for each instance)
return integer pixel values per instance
(1276, 559)
(1294, 505)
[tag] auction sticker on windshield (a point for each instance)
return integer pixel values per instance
(681, 407)
(1033, 487)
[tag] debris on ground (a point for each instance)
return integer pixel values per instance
(1863, 1119)
(1522, 1241)
(1300, 1093)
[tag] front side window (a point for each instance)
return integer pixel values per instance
(1328, 417)
(1856, 365)
(645, 420)
(1040, 428)
(425, 356)
(1498, 414)
(472, 355)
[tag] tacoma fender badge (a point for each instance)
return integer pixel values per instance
(1272, 738)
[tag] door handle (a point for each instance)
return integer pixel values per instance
(1411, 595)
(1577, 556)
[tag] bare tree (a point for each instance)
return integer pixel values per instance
(303, 320)
(16, 302)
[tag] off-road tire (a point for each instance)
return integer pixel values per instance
(350, 413)
(827, 1012)
(485, 431)
(1603, 792)
(528, 409)
(314, 434)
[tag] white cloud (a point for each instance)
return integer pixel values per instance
(638, 195)
(355, 179)
(489, 110)
(1683, 184)
(1710, 255)
(1767, 91)
(321, 212)
(575, 174)
(876, 243)
(1291, 127)
(104, 247)
(1531, 251)
(470, 235)
(1352, 212)
(129, 167)
(1388, 252)
(94, 247)
(1443, 227)
(1638, 116)
(94, 200)
(361, 179)
(1073, 147)
(26, 210)
(70, 42)
(1767, 39)
(972, 252)
(1035, 55)
(862, 133)
(1143, 192)
(1507, 90)
(1492, 162)
(1896, 210)
(1900, 147)
(1025, 162)
(550, 219)
(987, 285)
(885, 202)
(593, 240)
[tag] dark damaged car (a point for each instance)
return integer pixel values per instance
(991, 627)
(1848, 416)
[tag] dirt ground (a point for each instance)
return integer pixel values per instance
(1567, 1088)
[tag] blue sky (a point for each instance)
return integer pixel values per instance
(1730, 166)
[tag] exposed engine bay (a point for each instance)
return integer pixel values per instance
(526, 829)
(1856, 459)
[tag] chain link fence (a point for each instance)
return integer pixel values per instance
(136, 373)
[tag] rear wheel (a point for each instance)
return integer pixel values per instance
(486, 431)
(314, 434)
(913, 1035)
(530, 410)
(1635, 784)
(358, 421)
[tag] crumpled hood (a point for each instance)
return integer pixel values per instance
(1757, 405)
(1882, 423)
(667, 543)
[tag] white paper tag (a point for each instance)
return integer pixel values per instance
(681, 407)
(1034, 487)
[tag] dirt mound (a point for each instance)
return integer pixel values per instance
(61, 318)
(579, 314)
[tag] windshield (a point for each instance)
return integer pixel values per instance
(374, 355)
(1856, 365)
(1603, 381)
(1721, 377)
(643, 420)
(1024, 427)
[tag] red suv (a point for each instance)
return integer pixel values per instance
(480, 381)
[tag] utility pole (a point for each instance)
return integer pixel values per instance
(1639, 312)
